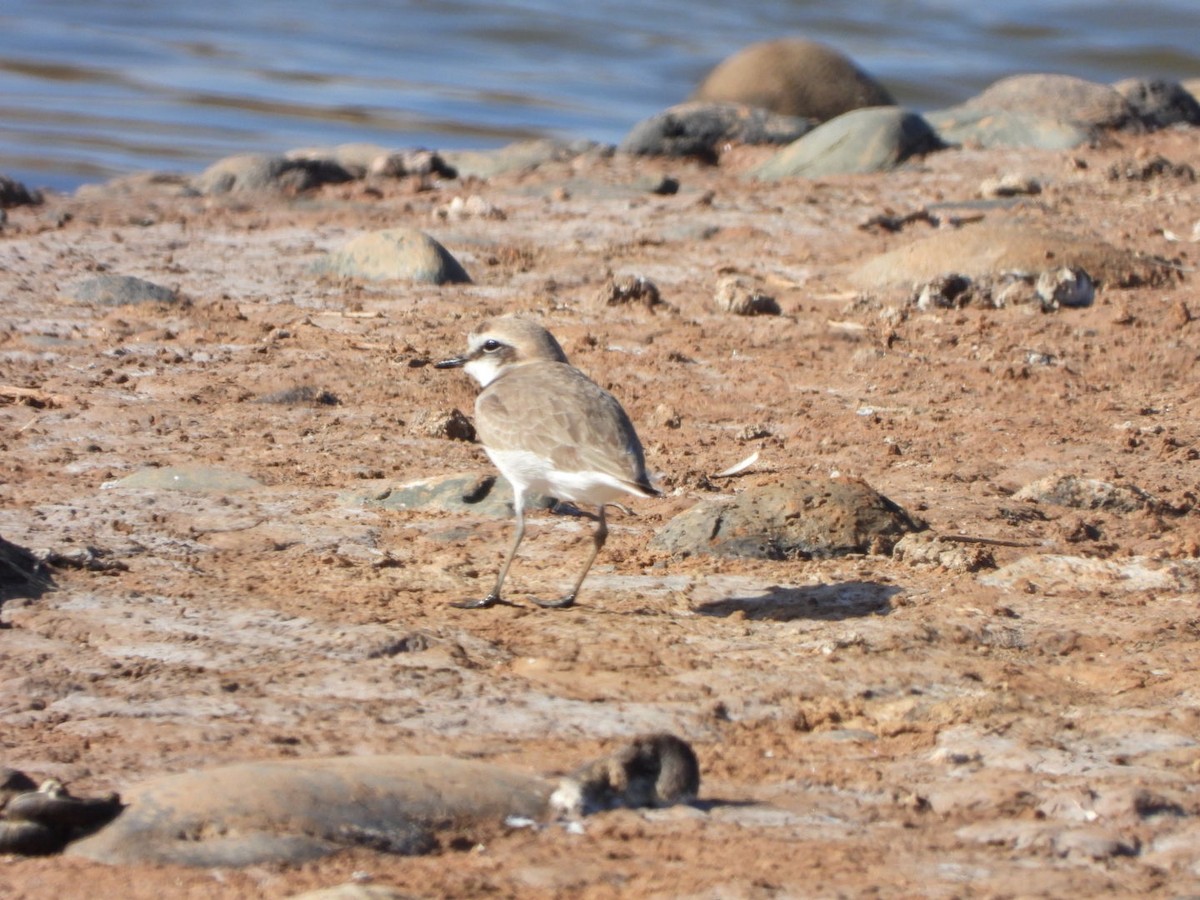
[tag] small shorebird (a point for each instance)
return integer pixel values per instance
(550, 430)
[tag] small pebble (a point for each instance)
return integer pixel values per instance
(1068, 286)
(736, 296)
(1010, 186)
(633, 289)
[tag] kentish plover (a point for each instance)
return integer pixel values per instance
(550, 430)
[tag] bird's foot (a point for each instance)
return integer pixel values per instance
(489, 601)
(562, 603)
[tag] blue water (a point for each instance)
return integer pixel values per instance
(95, 88)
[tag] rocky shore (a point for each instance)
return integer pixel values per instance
(920, 593)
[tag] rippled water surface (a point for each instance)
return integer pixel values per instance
(92, 89)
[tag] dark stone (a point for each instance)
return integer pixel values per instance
(1159, 103)
(795, 518)
(21, 575)
(41, 822)
(13, 193)
(700, 129)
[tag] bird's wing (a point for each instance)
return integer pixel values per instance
(558, 413)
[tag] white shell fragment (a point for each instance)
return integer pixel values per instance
(738, 468)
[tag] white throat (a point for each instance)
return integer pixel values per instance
(484, 369)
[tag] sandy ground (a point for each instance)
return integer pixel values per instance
(866, 726)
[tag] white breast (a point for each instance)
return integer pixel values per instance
(483, 369)
(529, 473)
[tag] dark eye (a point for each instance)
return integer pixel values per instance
(491, 346)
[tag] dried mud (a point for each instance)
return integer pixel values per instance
(907, 725)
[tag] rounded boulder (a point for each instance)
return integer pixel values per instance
(402, 254)
(793, 77)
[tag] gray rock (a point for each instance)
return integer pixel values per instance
(265, 172)
(205, 479)
(1159, 103)
(1087, 493)
(794, 518)
(989, 128)
(793, 77)
(395, 253)
(519, 157)
(865, 140)
(14, 193)
(481, 495)
(700, 129)
(1058, 97)
(119, 290)
(296, 810)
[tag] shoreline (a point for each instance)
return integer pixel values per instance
(1159, 101)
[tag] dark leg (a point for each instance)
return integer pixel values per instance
(598, 538)
(494, 597)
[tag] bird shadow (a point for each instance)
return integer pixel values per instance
(708, 804)
(823, 602)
